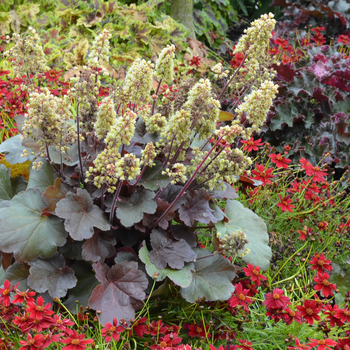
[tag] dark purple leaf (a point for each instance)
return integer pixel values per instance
(121, 290)
(196, 207)
(99, 247)
(51, 275)
(167, 251)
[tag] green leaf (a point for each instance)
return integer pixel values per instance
(51, 275)
(152, 177)
(81, 215)
(130, 213)
(13, 149)
(286, 112)
(181, 277)
(27, 233)
(69, 158)
(211, 279)
(241, 218)
(18, 273)
(42, 178)
(6, 192)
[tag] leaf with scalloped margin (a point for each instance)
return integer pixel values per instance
(99, 247)
(81, 215)
(181, 277)
(13, 149)
(211, 279)
(121, 290)
(152, 177)
(27, 233)
(51, 275)
(141, 202)
(167, 251)
(6, 192)
(53, 194)
(42, 178)
(241, 218)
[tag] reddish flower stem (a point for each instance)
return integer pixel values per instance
(182, 192)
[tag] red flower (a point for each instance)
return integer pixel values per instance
(285, 204)
(330, 312)
(49, 339)
(62, 325)
(245, 345)
(76, 341)
(112, 331)
(343, 315)
(344, 39)
(262, 175)
(198, 331)
(298, 346)
(38, 311)
(169, 342)
(320, 263)
(322, 225)
(276, 299)
(20, 297)
(4, 72)
(309, 311)
(195, 61)
(240, 297)
(32, 343)
(324, 285)
(247, 284)
(319, 39)
(139, 327)
(252, 145)
(290, 315)
(322, 344)
(156, 327)
(254, 274)
(309, 195)
(279, 160)
(52, 75)
(305, 42)
(275, 313)
(5, 293)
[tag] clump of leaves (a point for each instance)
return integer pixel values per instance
(119, 185)
(312, 107)
(67, 28)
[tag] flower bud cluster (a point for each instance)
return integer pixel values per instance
(155, 124)
(256, 106)
(138, 81)
(203, 107)
(165, 64)
(148, 155)
(219, 71)
(128, 167)
(176, 133)
(106, 117)
(28, 53)
(177, 173)
(229, 132)
(85, 89)
(47, 120)
(100, 51)
(122, 130)
(232, 243)
(104, 169)
(254, 44)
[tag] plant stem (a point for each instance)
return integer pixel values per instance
(234, 74)
(138, 179)
(111, 216)
(155, 100)
(79, 152)
(51, 162)
(182, 192)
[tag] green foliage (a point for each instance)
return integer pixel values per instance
(67, 28)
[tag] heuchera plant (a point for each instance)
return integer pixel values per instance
(118, 186)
